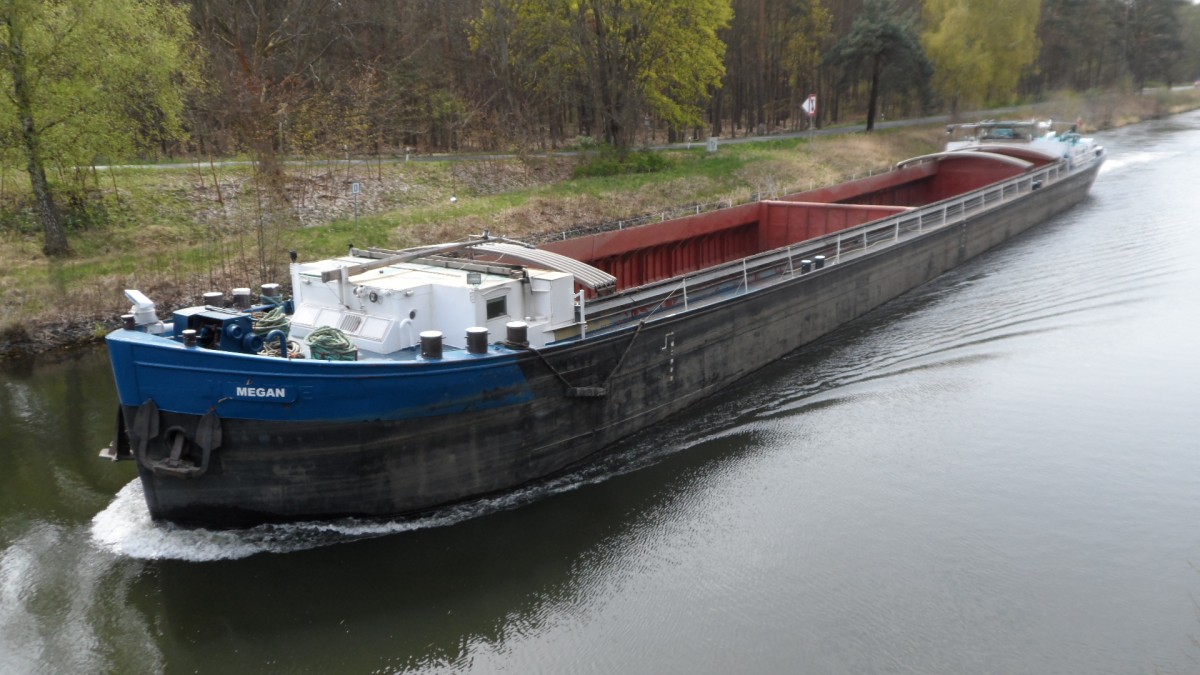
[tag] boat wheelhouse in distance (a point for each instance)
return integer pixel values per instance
(1047, 136)
(393, 382)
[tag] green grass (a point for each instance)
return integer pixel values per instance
(161, 219)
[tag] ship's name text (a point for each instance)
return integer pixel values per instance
(262, 392)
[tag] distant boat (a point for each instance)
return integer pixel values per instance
(406, 380)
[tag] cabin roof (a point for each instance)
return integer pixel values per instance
(993, 155)
(587, 276)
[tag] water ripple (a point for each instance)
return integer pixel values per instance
(45, 628)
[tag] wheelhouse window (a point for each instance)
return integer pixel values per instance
(497, 307)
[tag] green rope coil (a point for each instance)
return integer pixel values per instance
(272, 320)
(330, 344)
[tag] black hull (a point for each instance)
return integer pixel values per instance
(281, 471)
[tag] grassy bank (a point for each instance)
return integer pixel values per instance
(175, 233)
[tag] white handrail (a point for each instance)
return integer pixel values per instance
(887, 231)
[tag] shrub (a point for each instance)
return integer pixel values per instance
(609, 161)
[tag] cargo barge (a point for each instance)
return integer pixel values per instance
(394, 382)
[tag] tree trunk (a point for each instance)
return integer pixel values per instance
(54, 240)
(873, 96)
(760, 74)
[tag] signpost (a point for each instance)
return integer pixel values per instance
(810, 107)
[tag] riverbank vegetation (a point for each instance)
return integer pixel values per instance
(178, 232)
(317, 97)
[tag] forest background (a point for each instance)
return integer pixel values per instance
(119, 119)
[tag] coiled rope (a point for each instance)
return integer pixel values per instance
(330, 344)
(271, 348)
(272, 320)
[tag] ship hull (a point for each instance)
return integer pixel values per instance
(383, 450)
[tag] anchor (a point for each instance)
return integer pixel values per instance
(207, 438)
(145, 428)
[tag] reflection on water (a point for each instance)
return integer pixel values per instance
(997, 473)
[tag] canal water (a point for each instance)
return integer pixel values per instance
(998, 473)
